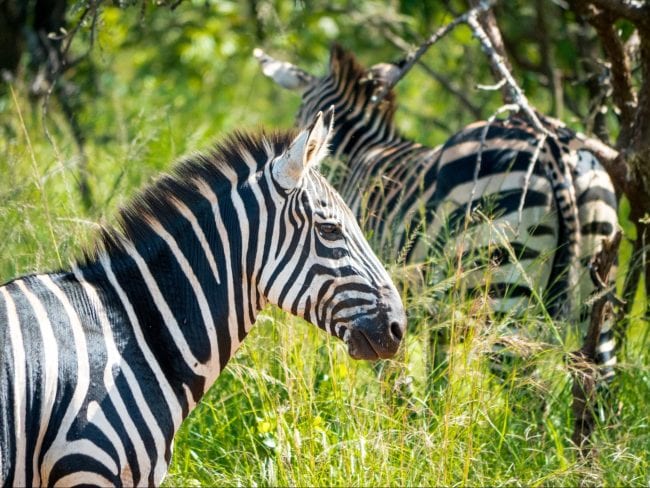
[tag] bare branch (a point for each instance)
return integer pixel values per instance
(489, 23)
(499, 66)
(529, 174)
(623, 93)
(584, 360)
(389, 78)
(497, 86)
(607, 155)
(447, 84)
(637, 12)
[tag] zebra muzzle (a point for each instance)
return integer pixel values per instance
(378, 337)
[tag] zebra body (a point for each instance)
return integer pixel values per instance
(101, 364)
(551, 215)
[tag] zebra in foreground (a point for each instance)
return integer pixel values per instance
(416, 200)
(99, 365)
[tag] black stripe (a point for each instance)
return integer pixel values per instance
(66, 354)
(134, 411)
(118, 424)
(498, 204)
(34, 363)
(155, 334)
(234, 227)
(541, 230)
(501, 290)
(72, 463)
(598, 194)
(253, 213)
(598, 228)
(494, 161)
(175, 287)
(7, 378)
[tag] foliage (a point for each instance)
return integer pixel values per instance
(292, 408)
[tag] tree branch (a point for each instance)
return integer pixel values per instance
(637, 12)
(584, 360)
(400, 43)
(621, 79)
(488, 21)
(499, 66)
(388, 78)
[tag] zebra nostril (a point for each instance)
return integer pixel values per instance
(396, 330)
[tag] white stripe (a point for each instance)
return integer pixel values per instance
(78, 396)
(95, 415)
(238, 204)
(254, 186)
(233, 329)
(606, 346)
(206, 314)
(610, 362)
(173, 405)
(249, 160)
(209, 255)
(50, 372)
(20, 388)
(113, 359)
(61, 446)
(83, 478)
(257, 297)
(168, 317)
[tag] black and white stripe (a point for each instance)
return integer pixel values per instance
(101, 364)
(415, 199)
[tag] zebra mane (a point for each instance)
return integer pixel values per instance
(343, 63)
(159, 200)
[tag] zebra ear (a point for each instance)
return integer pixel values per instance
(307, 149)
(285, 74)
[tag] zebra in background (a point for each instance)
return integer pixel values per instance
(101, 364)
(414, 200)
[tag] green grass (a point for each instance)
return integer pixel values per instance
(292, 408)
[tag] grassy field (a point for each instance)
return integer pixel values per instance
(291, 408)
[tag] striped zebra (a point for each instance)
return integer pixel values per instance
(415, 200)
(101, 364)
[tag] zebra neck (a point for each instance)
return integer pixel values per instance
(183, 296)
(376, 164)
(361, 132)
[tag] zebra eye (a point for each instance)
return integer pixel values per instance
(330, 231)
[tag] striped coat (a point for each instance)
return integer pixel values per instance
(535, 210)
(100, 364)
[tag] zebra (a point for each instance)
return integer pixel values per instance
(413, 199)
(101, 363)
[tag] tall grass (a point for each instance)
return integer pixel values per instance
(292, 408)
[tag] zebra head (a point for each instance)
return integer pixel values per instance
(347, 86)
(333, 279)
